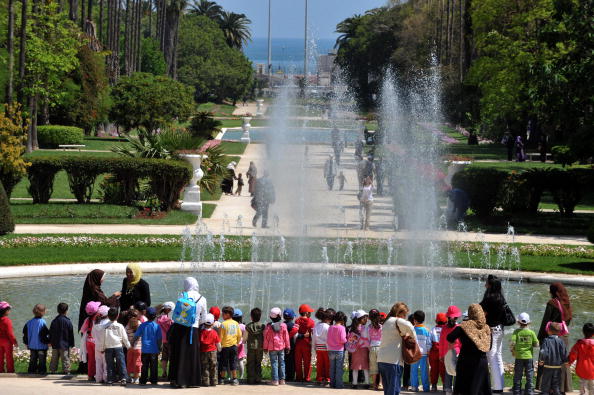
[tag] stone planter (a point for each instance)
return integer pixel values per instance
(259, 103)
(453, 168)
(245, 138)
(191, 201)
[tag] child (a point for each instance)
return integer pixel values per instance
(360, 356)
(453, 314)
(583, 353)
(210, 344)
(522, 343)
(7, 339)
(254, 339)
(375, 337)
(288, 317)
(164, 321)
(276, 343)
(36, 337)
(424, 342)
(553, 354)
(150, 333)
(134, 354)
(303, 343)
(98, 326)
(239, 184)
(336, 341)
(88, 341)
(341, 181)
(319, 338)
(140, 308)
(61, 339)
(241, 352)
(230, 338)
(437, 366)
(112, 341)
(216, 312)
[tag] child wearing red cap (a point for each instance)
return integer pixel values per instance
(453, 314)
(303, 343)
(7, 339)
(437, 365)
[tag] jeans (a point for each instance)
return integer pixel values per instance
(336, 368)
(261, 211)
(150, 363)
(448, 383)
(114, 358)
(391, 375)
(38, 361)
(62, 353)
(495, 358)
(414, 373)
(277, 364)
(522, 366)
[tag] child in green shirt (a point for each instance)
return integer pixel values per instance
(523, 342)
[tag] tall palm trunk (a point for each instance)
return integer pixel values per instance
(113, 38)
(10, 49)
(22, 51)
(100, 31)
(127, 35)
(73, 11)
(90, 10)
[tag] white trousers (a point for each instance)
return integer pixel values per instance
(100, 367)
(495, 358)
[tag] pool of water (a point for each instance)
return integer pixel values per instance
(344, 291)
(294, 136)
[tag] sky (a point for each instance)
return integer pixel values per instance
(288, 15)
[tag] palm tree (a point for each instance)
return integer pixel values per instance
(235, 28)
(207, 8)
(347, 29)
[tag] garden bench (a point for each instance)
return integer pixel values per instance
(535, 156)
(71, 146)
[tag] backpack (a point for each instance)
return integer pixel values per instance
(185, 311)
(352, 343)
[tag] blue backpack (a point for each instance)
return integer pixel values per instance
(185, 312)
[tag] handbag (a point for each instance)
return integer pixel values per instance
(509, 318)
(564, 329)
(411, 353)
(450, 361)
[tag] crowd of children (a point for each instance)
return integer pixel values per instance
(126, 349)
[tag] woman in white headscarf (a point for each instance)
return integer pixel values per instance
(227, 183)
(184, 342)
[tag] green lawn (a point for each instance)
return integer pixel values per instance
(219, 110)
(102, 143)
(233, 147)
(517, 166)
(67, 213)
(208, 209)
(61, 188)
(60, 153)
(477, 152)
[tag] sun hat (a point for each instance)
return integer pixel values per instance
(4, 305)
(524, 318)
(275, 312)
(453, 312)
(305, 308)
(92, 307)
(237, 313)
(360, 313)
(169, 305)
(103, 310)
(209, 319)
(289, 314)
(441, 317)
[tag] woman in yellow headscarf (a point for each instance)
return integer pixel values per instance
(134, 288)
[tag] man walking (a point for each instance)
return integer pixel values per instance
(264, 196)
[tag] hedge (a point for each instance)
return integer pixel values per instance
(166, 177)
(482, 187)
(6, 220)
(51, 136)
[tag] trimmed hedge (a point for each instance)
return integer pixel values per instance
(6, 220)
(51, 136)
(166, 177)
(482, 187)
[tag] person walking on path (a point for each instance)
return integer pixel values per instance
(134, 288)
(330, 172)
(336, 144)
(558, 309)
(472, 369)
(263, 198)
(520, 154)
(366, 200)
(252, 175)
(227, 183)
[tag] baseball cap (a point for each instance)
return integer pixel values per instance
(289, 313)
(103, 310)
(140, 305)
(360, 313)
(92, 307)
(441, 317)
(453, 312)
(169, 305)
(305, 308)
(383, 315)
(4, 305)
(151, 313)
(524, 318)
(215, 311)
(209, 319)
(237, 313)
(275, 312)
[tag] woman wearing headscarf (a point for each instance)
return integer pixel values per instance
(92, 292)
(558, 309)
(472, 369)
(227, 183)
(184, 357)
(134, 288)
(252, 175)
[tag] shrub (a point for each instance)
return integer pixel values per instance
(6, 220)
(203, 125)
(514, 196)
(566, 190)
(41, 177)
(563, 155)
(13, 138)
(168, 179)
(537, 180)
(82, 173)
(51, 136)
(482, 186)
(9, 180)
(590, 234)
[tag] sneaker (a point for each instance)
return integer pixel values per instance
(275, 383)
(282, 382)
(221, 382)
(123, 382)
(235, 382)
(434, 388)
(109, 383)
(415, 389)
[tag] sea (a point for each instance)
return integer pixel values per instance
(287, 53)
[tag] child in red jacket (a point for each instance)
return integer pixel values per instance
(583, 353)
(7, 339)
(303, 343)
(437, 365)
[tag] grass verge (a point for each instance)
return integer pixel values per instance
(543, 223)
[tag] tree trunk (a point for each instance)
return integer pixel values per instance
(150, 18)
(83, 15)
(73, 11)
(100, 30)
(171, 38)
(138, 35)
(10, 49)
(128, 25)
(90, 10)
(461, 54)
(22, 51)
(113, 37)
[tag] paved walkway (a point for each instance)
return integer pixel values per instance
(250, 107)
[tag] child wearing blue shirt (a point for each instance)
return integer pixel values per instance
(424, 342)
(150, 332)
(36, 337)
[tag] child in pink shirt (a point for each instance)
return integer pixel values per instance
(335, 342)
(277, 343)
(165, 322)
(375, 340)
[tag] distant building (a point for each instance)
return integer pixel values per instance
(326, 67)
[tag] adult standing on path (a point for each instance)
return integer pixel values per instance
(92, 292)
(251, 175)
(389, 356)
(366, 200)
(264, 196)
(493, 304)
(330, 172)
(336, 144)
(227, 183)
(134, 288)
(558, 309)
(520, 154)
(472, 369)
(184, 342)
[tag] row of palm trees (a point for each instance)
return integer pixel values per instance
(235, 27)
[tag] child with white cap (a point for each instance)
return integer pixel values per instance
(210, 344)
(276, 343)
(164, 321)
(523, 342)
